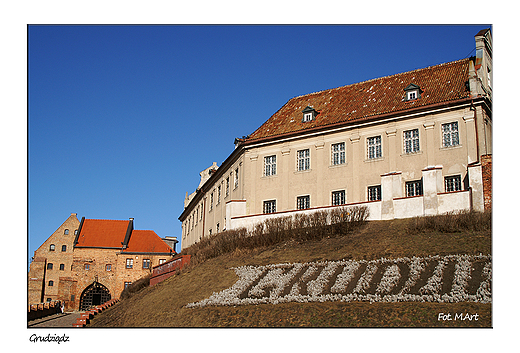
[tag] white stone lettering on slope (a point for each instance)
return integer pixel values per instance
(330, 280)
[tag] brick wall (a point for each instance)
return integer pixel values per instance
(167, 269)
(486, 180)
(56, 250)
(108, 266)
(35, 281)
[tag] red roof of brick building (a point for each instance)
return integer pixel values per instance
(369, 99)
(102, 233)
(146, 241)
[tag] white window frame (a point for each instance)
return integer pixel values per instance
(374, 147)
(269, 206)
(411, 141)
(303, 202)
(338, 153)
(307, 117)
(303, 160)
(414, 188)
(374, 193)
(236, 178)
(129, 263)
(453, 183)
(270, 165)
(147, 263)
(338, 198)
(412, 95)
(450, 134)
(227, 186)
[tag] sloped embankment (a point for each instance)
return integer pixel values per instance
(164, 305)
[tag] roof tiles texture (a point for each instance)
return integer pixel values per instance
(369, 99)
(101, 233)
(146, 241)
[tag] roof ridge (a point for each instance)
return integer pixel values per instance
(105, 219)
(381, 77)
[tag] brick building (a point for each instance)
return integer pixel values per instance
(89, 262)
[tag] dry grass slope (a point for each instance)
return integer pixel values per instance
(164, 304)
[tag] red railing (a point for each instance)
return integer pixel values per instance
(167, 269)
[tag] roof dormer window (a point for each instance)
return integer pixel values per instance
(309, 114)
(412, 92)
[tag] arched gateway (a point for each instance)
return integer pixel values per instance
(93, 295)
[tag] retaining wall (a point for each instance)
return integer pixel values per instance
(168, 268)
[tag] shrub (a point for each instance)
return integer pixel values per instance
(300, 227)
(135, 287)
(452, 222)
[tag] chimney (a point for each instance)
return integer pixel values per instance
(484, 61)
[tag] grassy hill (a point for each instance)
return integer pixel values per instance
(164, 304)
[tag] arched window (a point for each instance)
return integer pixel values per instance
(64, 248)
(49, 266)
(62, 267)
(51, 283)
(52, 247)
(66, 232)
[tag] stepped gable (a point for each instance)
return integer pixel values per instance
(146, 241)
(369, 99)
(102, 233)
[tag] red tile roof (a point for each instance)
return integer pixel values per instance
(102, 233)
(369, 99)
(146, 241)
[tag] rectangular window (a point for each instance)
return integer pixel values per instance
(218, 227)
(450, 134)
(270, 206)
(211, 201)
(227, 186)
(374, 147)
(374, 193)
(303, 160)
(87, 267)
(338, 153)
(452, 183)
(127, 284)
(161, 261)
(307, 117)
(414, 188)
(108, 267)
(218, 194)
(236, 178)
(270, 165)
(129, 263)
(62, 267)
(303, 202)
(146, 263)
(411, 141)
(338, 198)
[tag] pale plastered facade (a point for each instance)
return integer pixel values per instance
(222, 202)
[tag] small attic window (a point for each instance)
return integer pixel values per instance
(412, 92)
(309, 114)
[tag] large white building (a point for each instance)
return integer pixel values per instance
(410, 144)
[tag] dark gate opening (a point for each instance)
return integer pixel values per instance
(95, 294)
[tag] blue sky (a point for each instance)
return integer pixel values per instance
(121, 119)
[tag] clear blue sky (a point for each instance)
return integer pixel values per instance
(121, 119)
